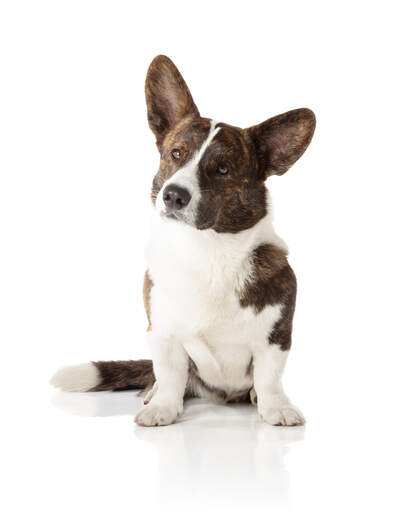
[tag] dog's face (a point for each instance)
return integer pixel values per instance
(211, 174)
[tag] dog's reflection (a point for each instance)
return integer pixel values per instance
(103, 403)
(217, 457)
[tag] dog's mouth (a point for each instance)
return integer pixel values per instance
(174, 215)
(180, 217)
(169, 215)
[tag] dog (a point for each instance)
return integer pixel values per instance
(218, 291)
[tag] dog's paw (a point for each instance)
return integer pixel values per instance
(285, 415)
(155, 414)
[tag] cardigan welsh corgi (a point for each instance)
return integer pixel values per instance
(218, 292)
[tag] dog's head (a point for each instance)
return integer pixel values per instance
(211, 174)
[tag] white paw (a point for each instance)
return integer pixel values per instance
(156, 414)
(285, 415)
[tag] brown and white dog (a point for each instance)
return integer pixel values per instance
(219, 292)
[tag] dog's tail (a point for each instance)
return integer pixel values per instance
(105, 376)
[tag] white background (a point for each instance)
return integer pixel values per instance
(77, 160)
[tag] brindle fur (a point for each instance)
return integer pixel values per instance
(281, 140)
(167, 97)
(121, 375)
(236, 201)
(229, 204)
(273, 282)
(187, 136)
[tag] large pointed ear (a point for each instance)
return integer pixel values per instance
(281, 140)
(167, 97)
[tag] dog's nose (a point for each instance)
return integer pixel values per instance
(175, 197)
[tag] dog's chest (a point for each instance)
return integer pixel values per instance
(195, 300)
(195, 278)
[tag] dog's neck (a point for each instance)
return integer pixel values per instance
(183, 248)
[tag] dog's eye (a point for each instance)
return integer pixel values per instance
(176, 154)
(223, 170)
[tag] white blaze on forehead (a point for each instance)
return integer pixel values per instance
(212, 133)
(187, 176)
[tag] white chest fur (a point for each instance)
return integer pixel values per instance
(197, 276)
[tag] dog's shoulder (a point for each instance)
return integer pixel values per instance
(271, 282)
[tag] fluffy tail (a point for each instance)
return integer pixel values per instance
(105, 376)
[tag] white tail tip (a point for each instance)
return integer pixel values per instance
(81, 377)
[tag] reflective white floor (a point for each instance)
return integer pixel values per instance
(90, 456)
(216, 456)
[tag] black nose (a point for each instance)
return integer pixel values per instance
(176, 198)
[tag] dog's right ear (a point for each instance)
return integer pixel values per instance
(167, 97)
(280, 141)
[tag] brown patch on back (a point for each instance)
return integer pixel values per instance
(147, 287)
(273, 283)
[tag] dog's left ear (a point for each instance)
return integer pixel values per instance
(168, 98)
(281, 140)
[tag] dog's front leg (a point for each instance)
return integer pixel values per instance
(273, 405)
(170, 364)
